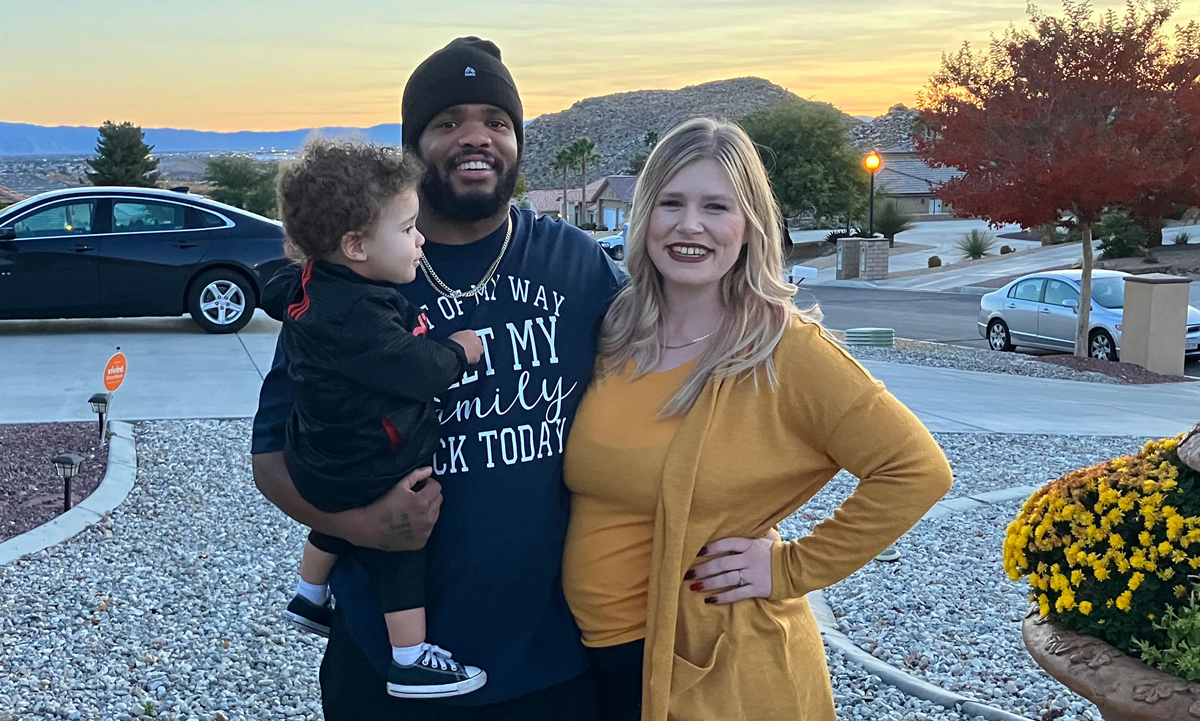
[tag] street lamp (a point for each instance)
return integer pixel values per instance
(67, 466)
(99, 403)
(873, 163)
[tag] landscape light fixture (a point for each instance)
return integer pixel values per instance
(873, 163)
(99, 403)
(67, 466)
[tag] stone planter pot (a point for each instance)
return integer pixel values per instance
(1123, 688)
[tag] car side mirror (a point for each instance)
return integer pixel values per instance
(8, 233)
(1071, 303)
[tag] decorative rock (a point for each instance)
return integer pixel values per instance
(1189, 448)
(1123, 687)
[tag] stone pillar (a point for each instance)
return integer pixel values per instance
(847, 258)
(1154, 324)
(873, 259)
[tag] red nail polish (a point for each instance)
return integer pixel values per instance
(711, 599)
(697, 586)
(689, 575)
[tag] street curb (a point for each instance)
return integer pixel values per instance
(119, 477)
(906, 682)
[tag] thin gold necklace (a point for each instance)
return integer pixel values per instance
(691, 342)
(446, 291)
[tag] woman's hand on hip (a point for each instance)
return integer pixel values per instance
(744, 573)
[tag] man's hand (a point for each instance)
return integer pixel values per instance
(470, 343)
(399, 521)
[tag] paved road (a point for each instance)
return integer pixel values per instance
(940, 317)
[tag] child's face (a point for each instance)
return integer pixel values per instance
(393, 247)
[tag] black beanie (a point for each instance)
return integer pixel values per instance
(467, 71)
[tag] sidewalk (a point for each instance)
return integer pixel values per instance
(194, 375)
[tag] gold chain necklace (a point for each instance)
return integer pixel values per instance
(446, 291)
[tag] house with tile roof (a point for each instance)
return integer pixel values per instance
(908, 180)
(608, 202)
(9, 196)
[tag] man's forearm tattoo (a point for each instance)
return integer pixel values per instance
(398, 530)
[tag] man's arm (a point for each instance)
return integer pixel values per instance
(399, 521)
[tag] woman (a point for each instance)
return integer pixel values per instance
(718, 409)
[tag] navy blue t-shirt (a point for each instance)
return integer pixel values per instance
(494, 590)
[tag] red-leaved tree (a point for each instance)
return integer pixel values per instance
(1058, 121)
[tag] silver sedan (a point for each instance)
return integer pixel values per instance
(1041, 311)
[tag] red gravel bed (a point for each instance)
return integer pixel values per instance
(1127, 372)
(31, 493)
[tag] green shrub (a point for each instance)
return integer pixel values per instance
(891, 221)
(1120, 236)
(976, 244)
(935, 262)
(1182, 238)
(1180, 655)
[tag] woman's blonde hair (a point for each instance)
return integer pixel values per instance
(758, 302)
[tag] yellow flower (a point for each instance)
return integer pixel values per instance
(1101, 573)
(1043, 605)
(1085, 608)
(1164, 548)
(1145, 538)
(1066, 601)
(1126, 503)
(1135, 581)
(1076, 577)
(1167, 574)
(1116, 541)
(1125, 601)
(1180, 592)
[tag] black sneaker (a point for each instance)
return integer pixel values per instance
(308, 616)
(434, 675)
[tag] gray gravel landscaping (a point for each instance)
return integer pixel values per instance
(953, 617)
(170, 607)
(939, 355)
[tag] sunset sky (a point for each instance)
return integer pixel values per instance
(283, 64)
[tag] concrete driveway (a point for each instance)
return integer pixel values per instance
(50, 368)
(940, 235)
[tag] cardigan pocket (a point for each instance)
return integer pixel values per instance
(708, 689)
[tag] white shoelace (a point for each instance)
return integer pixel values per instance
(439, 658)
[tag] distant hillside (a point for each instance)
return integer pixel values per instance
(619, 122)
(24, 139)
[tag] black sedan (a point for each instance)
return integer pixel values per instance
(122, 252)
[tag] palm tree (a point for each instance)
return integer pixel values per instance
(585, 154)
(564, 161)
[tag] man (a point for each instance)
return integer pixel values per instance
(534, 290)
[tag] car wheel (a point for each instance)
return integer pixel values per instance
(997, 336)
(618, 253)
(221, 301)
(1101, 346)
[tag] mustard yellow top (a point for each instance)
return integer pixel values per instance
(744, 458)
(613, 469)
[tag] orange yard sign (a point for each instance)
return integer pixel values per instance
(114, 372)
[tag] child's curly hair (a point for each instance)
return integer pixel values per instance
(339, 187)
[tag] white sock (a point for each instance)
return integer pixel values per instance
(317, 594)
(407, 655)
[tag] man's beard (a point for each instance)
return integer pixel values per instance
(439, 193)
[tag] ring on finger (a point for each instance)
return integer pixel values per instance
(741, 579)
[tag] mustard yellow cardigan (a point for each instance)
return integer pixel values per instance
(744, 459)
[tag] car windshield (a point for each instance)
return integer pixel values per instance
(1109, 292)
